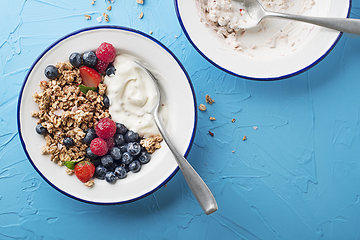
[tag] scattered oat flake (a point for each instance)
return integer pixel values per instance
(87, 17)
(209, 100)
(202, 107)
(106, 17)
(244, 138)
(93, 2)
(212, 118)
(175, 36)
(99, 19)
(151, 32)
(140, 1)
(141, 15)
(109, 8)
(232, 151)
(211, 134)
(233, 120)
(255, 127)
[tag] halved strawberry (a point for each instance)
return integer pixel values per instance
(90, 77)
(84, 170)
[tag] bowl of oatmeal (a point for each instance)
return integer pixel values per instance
(275, 49)
(62, 107)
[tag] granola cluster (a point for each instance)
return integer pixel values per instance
(65, 111)
(151, 144)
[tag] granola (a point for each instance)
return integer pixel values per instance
(152, 143)
(66, 112)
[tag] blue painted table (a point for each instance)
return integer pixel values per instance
(297, 176)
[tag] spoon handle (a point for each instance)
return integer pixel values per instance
(346, 25)
(198, 187)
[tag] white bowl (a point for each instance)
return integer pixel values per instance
(264, 64)
(181, 125)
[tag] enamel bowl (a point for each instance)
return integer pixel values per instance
(181, 121)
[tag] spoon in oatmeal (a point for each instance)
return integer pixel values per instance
(200, 190)
(253, 13)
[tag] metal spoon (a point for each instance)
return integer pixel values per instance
(257, 13)
(200, 190)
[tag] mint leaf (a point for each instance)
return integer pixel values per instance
(85, 89)
(70, 164)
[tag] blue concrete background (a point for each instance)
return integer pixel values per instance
(297, 176)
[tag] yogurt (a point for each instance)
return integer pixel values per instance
(227, 18)
(132, 95)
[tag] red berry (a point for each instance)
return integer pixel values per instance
(98, 147)
(90, 77)
(101, 66)
(84, 170)
(110, 143)
(106, 52)
(105, 128)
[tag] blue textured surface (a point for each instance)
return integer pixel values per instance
(296, 177)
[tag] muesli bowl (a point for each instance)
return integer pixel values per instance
(181, 121)
(299, 46)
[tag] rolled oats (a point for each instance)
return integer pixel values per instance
(151, 144)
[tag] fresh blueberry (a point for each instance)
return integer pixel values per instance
(127, 158)
(89, 154)
(75, 59)
(106, 102)
(115, 153)
(135, 166)
(90, 134)
(120, 172)
(123, 148)
(108, 162)
(51, 72)
(110, 70)
(144, 157)
(134, 148)
(96, 161)
(68, 142)
(40, 129)
(110, 177)
(119, 139)
(89, 59)
(121, 128)
(131, 136)
(100, 172)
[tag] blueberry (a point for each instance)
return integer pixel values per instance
(90, 134)
(119, 139)
(121, 128)
(127, 158)
(110, 177)
(123, 148)
(106, 101)
(96, 161)
(68, 142)
(40, 129)
(115, 153)
(75, 59)
(51, 72)
(144, 157)
(134, 148)
(89, 59)
(110, 70)
(120, 172)
(89, 154)
(135, 166)
(131, 136)
(108, 162)
(100, 172)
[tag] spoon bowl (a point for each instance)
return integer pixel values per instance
(254, 13)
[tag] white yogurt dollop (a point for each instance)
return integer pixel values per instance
(132, 95)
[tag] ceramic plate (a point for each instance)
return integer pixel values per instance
(308, 48)
(181, 115)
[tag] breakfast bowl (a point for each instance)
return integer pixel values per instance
(180, 122)
(275, 49)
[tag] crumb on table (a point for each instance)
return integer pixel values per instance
(209, 100)
(202, 107)
(212, 119)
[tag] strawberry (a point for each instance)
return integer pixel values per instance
(90, 77)
(84, 170)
